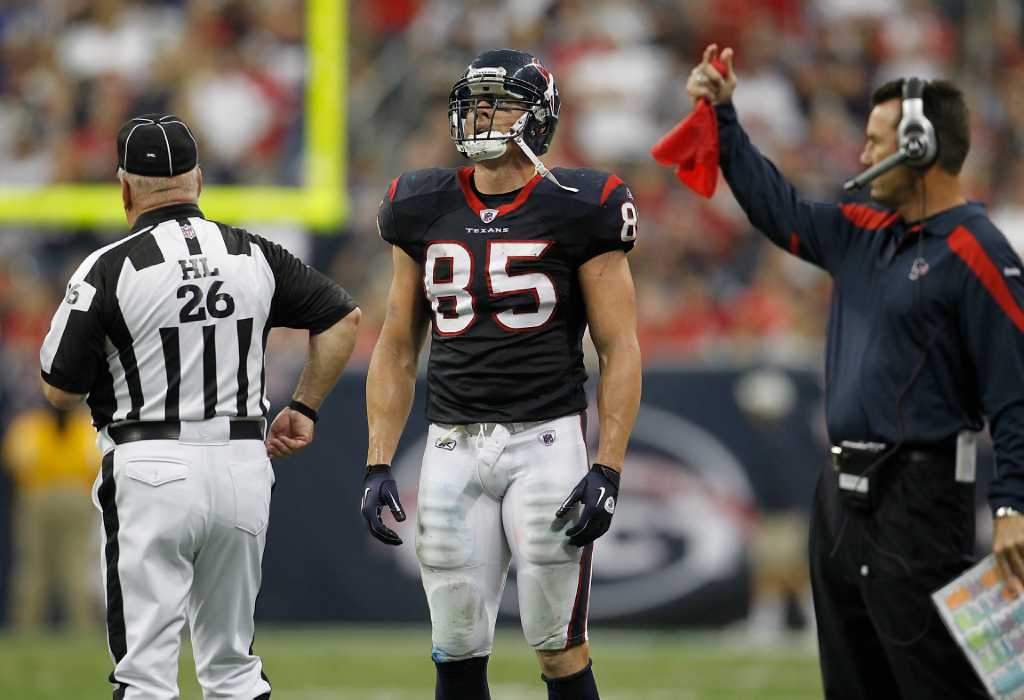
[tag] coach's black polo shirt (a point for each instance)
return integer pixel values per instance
(926, 329)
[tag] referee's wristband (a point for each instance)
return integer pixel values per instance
(305, 410)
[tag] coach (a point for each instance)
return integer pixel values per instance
(925, 340)
(164, 333)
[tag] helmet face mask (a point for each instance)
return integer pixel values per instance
(498, 83)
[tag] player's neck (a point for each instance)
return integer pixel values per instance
(939, 191)
(505, 174)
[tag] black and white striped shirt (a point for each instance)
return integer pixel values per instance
(171, 322)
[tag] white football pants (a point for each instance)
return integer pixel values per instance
(484, 498)
(184, 526)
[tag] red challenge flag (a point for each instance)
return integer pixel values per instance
(692, 146)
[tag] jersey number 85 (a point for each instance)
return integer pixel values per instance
(452, 289)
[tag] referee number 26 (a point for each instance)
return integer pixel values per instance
(217, 303)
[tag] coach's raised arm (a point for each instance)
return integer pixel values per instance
(925, 342)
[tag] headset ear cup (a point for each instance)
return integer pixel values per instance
(915, 131)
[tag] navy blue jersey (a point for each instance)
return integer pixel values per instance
(506, 307)
(926, 330)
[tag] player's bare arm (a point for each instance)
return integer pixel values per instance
(390, 386)
(391, 378)
(329, 352)
(610, 299)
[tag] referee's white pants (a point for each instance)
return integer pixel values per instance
(185, 528)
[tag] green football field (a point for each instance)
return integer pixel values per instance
(393, 663)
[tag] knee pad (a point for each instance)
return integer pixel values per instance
(461, 623)
(554, 602)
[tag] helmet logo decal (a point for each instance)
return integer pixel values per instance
(549, 92)
(488, 215)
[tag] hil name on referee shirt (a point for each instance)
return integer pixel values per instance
(171, 323)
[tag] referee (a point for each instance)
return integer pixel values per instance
(164, 333)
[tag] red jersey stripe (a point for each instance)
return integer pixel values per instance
(474, 202)
(866, 217)
(963, 243)
(610, 184)
(794, 244)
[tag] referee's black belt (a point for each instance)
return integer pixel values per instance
(241, 429)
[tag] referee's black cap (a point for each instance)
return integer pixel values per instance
(158, 145)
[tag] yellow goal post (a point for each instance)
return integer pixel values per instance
(319, 203)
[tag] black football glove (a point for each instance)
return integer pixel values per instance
(597, 491)
(379, 490)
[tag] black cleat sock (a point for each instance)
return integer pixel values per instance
(579, 686)
(463, 680)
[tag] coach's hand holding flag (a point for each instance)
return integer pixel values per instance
(692, 146)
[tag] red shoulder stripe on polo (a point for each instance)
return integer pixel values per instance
(391, 189)
(610, 184)
(866, 217)
(794, 244)
(963, 243)
(478, 206)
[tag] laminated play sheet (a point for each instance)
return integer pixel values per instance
(987, 622)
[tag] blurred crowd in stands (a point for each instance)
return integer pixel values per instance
(710, 288)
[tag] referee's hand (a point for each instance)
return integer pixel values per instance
(289, 433)
(1008, 546)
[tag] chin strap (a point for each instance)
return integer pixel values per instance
(538, 166)
(517, 131)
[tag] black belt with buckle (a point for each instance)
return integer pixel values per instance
(860, 466)
(241, 429)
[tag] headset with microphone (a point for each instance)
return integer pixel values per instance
(918, 147)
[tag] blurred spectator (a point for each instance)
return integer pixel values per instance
(708, 288)
(778, 537)
(53, 460)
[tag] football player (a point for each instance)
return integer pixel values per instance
(509, 263)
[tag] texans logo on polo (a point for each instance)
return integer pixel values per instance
(918, 269)
(488, 215)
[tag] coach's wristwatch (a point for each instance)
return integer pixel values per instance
(1006, 512)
